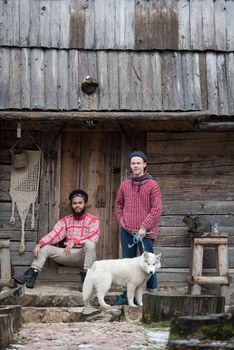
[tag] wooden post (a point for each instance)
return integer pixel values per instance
(197, 266)
(6, 330)
(222, 268)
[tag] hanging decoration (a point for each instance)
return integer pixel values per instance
(25, 176)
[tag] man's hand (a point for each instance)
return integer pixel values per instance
(68, 248)
(37, 249)
(142, 232)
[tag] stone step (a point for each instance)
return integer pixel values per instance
(70, 314)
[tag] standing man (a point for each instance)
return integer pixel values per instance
(138, 208)
(79, 231)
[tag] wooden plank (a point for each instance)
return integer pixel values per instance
(120, 23)
(203, 81)
(45, 23)
(73, 79)
(99, 20)
(196, 24)
(109, 22)
(125, 73)
(156, 81)
(62, 79)
(184, 24)
(55, 174)
(34, 24)
(4, 77)
(77, 24)
(24, 18)
(102, 67)
(220, 24)
(64, 28)
(230, 81)
(37, 79)
(177, 101)
(54, 29)
(51, 79)
(25, 85)
(4, 23)
(139, 82)
(222, 85)
(70, 174)
(210, 280)
(113, 80)
(211, 241)
(89, 24)
(166, 80)
(212, 83)
(14, 81)
(208, 34)
(230, 25)
(14, 29)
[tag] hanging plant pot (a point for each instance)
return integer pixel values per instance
(89, 85)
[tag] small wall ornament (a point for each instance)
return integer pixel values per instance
(89, 85)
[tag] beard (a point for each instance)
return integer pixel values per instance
(78, 215)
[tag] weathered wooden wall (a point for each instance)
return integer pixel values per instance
(135, 81)
(195, 172)
(118, 24)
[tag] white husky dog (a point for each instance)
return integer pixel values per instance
(133, 273)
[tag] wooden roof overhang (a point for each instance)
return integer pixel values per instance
(119, 120)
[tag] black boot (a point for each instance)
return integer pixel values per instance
(23, 279)
(33, 276)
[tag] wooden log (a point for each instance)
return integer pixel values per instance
(15, 312)
(6, 330)
(222, 280)
(211, 241)
(159, 307)
(213, 327)
(197, 262)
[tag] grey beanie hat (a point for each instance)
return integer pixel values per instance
(137, 154)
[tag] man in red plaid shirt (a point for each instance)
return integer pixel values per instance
(79, 233)
(138, 208)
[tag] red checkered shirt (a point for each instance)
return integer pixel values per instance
(72, 229)
(139, 204)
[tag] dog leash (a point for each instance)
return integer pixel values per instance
(138, 239)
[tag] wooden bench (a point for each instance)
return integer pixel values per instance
(196, 280)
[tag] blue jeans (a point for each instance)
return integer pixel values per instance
(127, 239)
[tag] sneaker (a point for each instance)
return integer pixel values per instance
(151, 290)
(121, 299)
(31, 282)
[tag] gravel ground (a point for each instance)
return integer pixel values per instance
(83, 335)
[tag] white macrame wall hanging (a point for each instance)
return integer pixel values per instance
(24, 189)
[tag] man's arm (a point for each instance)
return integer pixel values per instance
(119, 204)
(156, 209)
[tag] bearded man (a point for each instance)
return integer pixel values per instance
(79, 233)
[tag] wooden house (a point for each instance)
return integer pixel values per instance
(165, 71)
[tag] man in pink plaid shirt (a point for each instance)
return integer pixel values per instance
(79, 233)
(138, 208)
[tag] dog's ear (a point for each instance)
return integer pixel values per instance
(159, 255)
(145, 255)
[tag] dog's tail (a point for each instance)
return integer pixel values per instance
(88, 287)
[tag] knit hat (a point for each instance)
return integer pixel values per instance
(79, 193)
(137, 154)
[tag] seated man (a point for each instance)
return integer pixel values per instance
(80, 232)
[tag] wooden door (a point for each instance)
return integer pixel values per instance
(91, 161)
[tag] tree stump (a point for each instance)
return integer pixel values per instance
(6, 330)
(15, 312)
(160, 307)
(202, 332)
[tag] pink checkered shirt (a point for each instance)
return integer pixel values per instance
(72, 229)
(137, 207)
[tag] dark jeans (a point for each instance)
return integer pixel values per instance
(127, 239)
